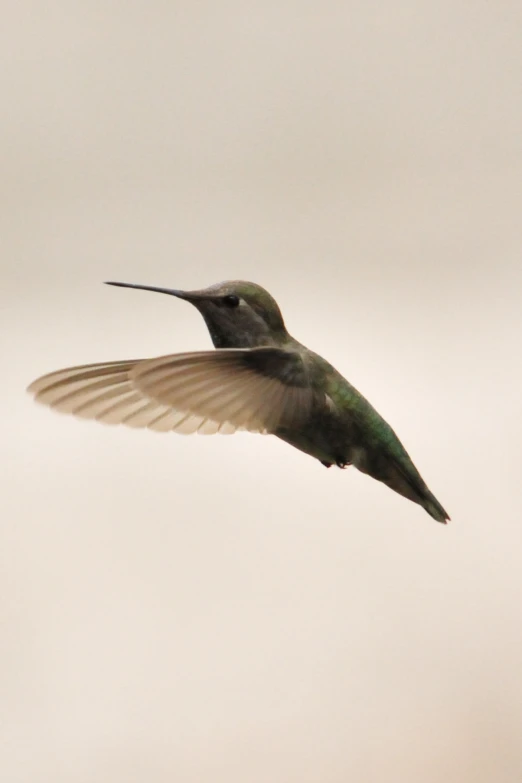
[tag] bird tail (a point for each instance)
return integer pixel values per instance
(407, 481)
(434, 508)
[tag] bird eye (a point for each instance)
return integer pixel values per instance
(231, 300)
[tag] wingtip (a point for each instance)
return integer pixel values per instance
(34, 387)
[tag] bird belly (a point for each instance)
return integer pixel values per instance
(324, 437)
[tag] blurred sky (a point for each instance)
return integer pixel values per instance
(224, 609)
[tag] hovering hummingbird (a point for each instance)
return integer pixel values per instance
(259, 379)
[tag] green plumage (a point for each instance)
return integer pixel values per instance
(349, 431)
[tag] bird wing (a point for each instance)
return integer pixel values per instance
(258, 390)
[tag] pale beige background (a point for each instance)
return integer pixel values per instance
(226, 610)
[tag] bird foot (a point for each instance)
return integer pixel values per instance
(339, 462)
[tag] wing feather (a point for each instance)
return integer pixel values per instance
(206, 392)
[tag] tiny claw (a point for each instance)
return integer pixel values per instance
(326, 464)
(343, 465)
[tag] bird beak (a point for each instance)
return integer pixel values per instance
(190, 296)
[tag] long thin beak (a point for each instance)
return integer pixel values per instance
(170, 291)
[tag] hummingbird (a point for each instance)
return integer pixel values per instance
(258, 378)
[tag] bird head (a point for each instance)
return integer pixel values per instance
(238, 314)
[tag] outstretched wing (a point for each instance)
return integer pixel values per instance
(209, 391)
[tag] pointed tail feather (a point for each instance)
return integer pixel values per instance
(406, 480)
(435, 510)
